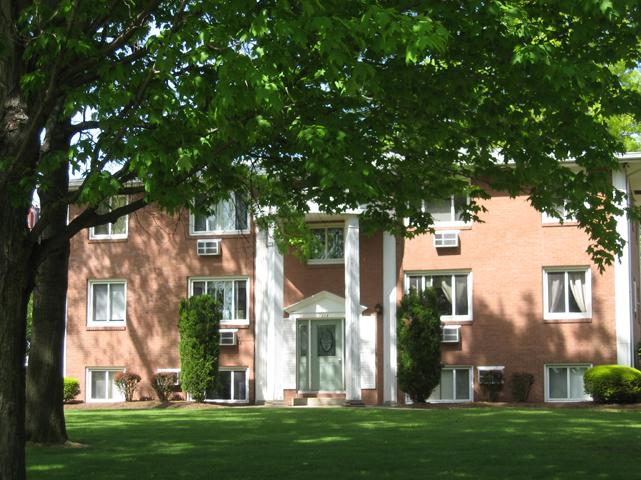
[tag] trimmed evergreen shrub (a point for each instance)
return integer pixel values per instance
(521, 384)
(163, 384)
(127, 382)
(613, 384)
(419, 343)
(71, 388)
(198, 326)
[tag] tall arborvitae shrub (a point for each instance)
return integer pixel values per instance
(419, 343)
(199, 344)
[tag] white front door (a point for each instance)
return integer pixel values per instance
(320, 355)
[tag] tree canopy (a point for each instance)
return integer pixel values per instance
(382, 105)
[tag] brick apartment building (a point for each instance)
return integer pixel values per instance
(524, 294)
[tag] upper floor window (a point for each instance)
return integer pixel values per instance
(455, 289)
(329, 246)
(107, 303)
(227, 216)
(447, 211)
(567, 293)
(115, 230)
(563, 213)
(231, 293)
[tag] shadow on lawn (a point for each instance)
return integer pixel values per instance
(345, 443)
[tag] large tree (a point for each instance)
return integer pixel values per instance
(381, 104)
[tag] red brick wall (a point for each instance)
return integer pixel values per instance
(506, 255)
(156, 259)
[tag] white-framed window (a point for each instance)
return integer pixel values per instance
(100, 385)
(448, 211)
(227, 216)
(232, 386)
(231, 292)
(107, 305)
(330, 244)
(490, 375)
(456, 385)
(456, 288)
(171, 370)
(115, 230)
(567, 293)
(562, 213)
(564, 383)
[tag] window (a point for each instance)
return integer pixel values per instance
(231, 386)
(107, 303)
(115, 230)
(175, 371)
(232, 293)
(455, 385)
(562, 212)
(329, 246)
(455, 290)
(228, 216)
(101, 386)
(567, 293)
(447, 211)
(491, 375)
(564, 383)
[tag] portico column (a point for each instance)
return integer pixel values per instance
(352, 310)
(389, 318)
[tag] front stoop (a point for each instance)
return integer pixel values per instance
(318, 402)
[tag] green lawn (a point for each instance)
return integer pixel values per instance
(261, 443)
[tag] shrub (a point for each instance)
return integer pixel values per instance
(71, 388)
(419, 343)
(613, 384)
(521, 384)
(491, 382)
(163, 384)
(199, 337)
(127, 382)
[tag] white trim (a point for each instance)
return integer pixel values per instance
(322, 300)
(353, 310)
(434, 273)
(551, 316)
(110, 236)
(470, 369)
(118, 396)
(232, 400)
(390, 393)
(262, 317)
(105, 323)
(546, 385)
(623, 273)
(231, 321)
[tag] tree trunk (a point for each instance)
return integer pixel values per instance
(15, 284)
(45, 421)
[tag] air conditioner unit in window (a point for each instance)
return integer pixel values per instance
(446, 239)
(451, 334)
(228, 337)
(208, 247)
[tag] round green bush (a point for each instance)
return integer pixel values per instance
(71, 388)
(613, 384)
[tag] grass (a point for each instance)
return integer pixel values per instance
(332, 444)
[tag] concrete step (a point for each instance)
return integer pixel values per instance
(318, 402)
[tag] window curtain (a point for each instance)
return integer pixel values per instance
(556, 295)
(446, 285)
(461, 294)
(578, 289)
